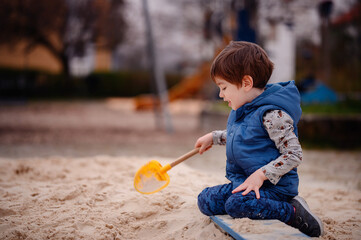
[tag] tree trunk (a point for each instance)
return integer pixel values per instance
(59, 54)
(64, 60)
(65, 64)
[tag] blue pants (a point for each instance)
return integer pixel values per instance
(219, 200)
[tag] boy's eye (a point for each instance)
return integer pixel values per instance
(224, 88)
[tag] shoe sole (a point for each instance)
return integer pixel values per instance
(305, 205)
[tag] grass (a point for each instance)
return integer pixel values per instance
(347, 107)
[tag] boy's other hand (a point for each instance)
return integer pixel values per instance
(252, 183)
(204, 143)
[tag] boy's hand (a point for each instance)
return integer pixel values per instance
(252, 183)
(204, 143)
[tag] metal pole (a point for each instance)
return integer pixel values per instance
(157, 72)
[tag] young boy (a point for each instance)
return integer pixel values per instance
(261, 141)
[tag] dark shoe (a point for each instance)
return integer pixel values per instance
(304, 219)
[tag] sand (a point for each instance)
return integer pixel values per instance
(94, 198)
(60, 180)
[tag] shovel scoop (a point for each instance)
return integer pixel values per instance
(153, 177)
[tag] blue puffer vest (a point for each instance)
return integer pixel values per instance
(248, 144)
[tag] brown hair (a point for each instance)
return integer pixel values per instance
(240, 58)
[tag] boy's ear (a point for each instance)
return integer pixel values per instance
(247, 82)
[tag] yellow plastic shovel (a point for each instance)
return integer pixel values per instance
(152, 177)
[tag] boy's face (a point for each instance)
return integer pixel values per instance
(235, 95)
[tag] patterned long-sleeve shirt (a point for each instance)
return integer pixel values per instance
(279, 126)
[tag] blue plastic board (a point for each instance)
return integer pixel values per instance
(267, 229)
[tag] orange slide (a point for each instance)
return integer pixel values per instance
(188, 87)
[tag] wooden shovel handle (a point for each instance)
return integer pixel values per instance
(184, 157)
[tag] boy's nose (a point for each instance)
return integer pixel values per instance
(220, 94)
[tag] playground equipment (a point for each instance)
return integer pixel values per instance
(188, 87)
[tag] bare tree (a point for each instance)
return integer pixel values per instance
(61, 26)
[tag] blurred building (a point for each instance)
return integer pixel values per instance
(40, 58)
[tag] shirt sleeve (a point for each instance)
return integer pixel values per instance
(219, 137)
(279, 126)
